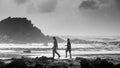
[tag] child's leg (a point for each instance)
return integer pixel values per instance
(70, 53)
(66, 53)
(58, 54)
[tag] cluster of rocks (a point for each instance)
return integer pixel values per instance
(97, 63)
(45, 62)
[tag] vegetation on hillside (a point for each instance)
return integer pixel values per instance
(21, 30)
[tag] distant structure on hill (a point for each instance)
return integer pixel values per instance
(21, 30)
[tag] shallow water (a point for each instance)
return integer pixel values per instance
(37, 50)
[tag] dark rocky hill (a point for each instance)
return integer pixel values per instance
(21, 30)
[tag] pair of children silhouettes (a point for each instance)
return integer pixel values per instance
(55, 47)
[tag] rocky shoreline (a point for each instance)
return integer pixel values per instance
(49, 62)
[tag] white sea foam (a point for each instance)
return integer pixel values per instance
(82, 49)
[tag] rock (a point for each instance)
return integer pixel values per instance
(17, 63)
(27, 51)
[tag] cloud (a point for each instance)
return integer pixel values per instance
(47, 6)
(100, 4)
(117, 2)
(42, 6)
(20, 2)
(37, 6)
(89, 4)
(112, 4)
(97, 4)
(108, 9)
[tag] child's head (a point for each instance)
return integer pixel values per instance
(54, 38)
(68, 39)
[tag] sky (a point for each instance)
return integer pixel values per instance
(67, 17)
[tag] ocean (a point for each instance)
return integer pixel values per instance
(78, 50)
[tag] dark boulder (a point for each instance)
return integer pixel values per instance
(17, 63)
(86, 64)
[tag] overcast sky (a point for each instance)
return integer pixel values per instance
(67, 17)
